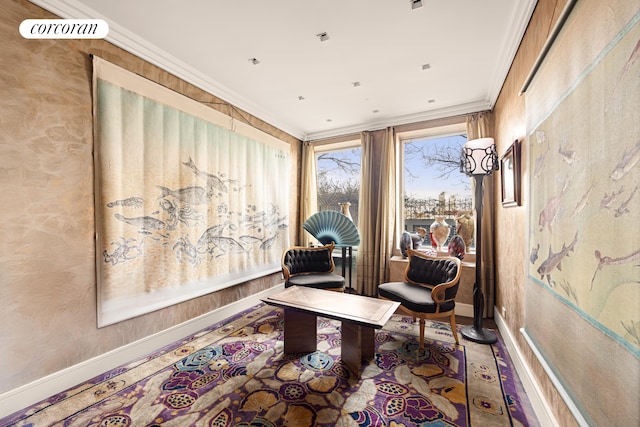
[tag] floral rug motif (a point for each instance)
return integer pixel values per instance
(235, 374)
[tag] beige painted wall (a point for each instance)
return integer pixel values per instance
(47, 273)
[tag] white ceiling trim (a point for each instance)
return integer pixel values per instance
(518, 28)
(156, 56)
(160, 58)
(455, 110)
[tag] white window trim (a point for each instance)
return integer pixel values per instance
(412, 135)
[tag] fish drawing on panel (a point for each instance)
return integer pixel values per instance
(227, 245)
(214, 183)
(549, 214)
(249, 240)
(145, 224)
(539, 163)
(607, 199)
(567, 154)
(583, 202)
(554, 260)
(268, 243)
(628, 161)
(533, 257)
(607, 260)
(133, 202)
(624, 207)
(192, 195)
(211, 240)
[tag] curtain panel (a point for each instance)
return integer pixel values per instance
(378, 201)
(309, 187)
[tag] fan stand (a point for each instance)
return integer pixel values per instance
(347, 260)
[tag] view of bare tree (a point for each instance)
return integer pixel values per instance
(339, 180)
(445, 158)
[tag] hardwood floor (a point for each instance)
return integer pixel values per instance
(487, 323)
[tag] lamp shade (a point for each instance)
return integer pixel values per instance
(479, 157)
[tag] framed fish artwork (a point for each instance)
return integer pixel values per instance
(188, 201)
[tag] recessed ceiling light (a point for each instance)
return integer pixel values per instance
(254, 61)
(329, 120)
(301, 98)
(431, 101)
(426, 66)
(355, 84)
(375, 111)
(323, 37)
(415, 4)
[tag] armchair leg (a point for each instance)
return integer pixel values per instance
(452, 320)
(422, 334)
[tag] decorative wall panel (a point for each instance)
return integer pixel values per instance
(584, 259)
(188, 200)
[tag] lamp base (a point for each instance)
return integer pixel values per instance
(482, 336)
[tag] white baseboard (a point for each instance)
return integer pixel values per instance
(534, 393)
(34, 392)
(464, 310)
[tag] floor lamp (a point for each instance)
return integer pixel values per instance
(479, 158)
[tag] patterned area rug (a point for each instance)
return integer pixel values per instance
(235, 374)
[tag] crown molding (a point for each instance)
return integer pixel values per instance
(455, 110)
(512, 40)
(151, 53)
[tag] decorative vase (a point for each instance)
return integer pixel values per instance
(465, 228)
(344, 210)
(439, 231)
(457, 247)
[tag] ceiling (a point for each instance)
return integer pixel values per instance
(383, 63)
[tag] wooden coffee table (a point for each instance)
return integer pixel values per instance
(360, 317)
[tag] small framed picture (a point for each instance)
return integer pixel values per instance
(510, 175)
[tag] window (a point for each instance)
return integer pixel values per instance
(433, 184)
(339, 179)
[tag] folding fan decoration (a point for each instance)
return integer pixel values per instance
(332, 226)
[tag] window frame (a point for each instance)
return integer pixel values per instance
(340, 144)
(432, 132)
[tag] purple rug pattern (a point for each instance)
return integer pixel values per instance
(235, 374)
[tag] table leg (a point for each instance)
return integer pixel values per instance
(358, 344)
(300, 332)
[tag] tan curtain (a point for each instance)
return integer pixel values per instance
(479, 125)
(309, 190)
(377, 210)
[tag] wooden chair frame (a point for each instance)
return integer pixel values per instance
(438, 294)
(287, 273)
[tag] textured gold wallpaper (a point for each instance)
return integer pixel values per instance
(47, 279)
